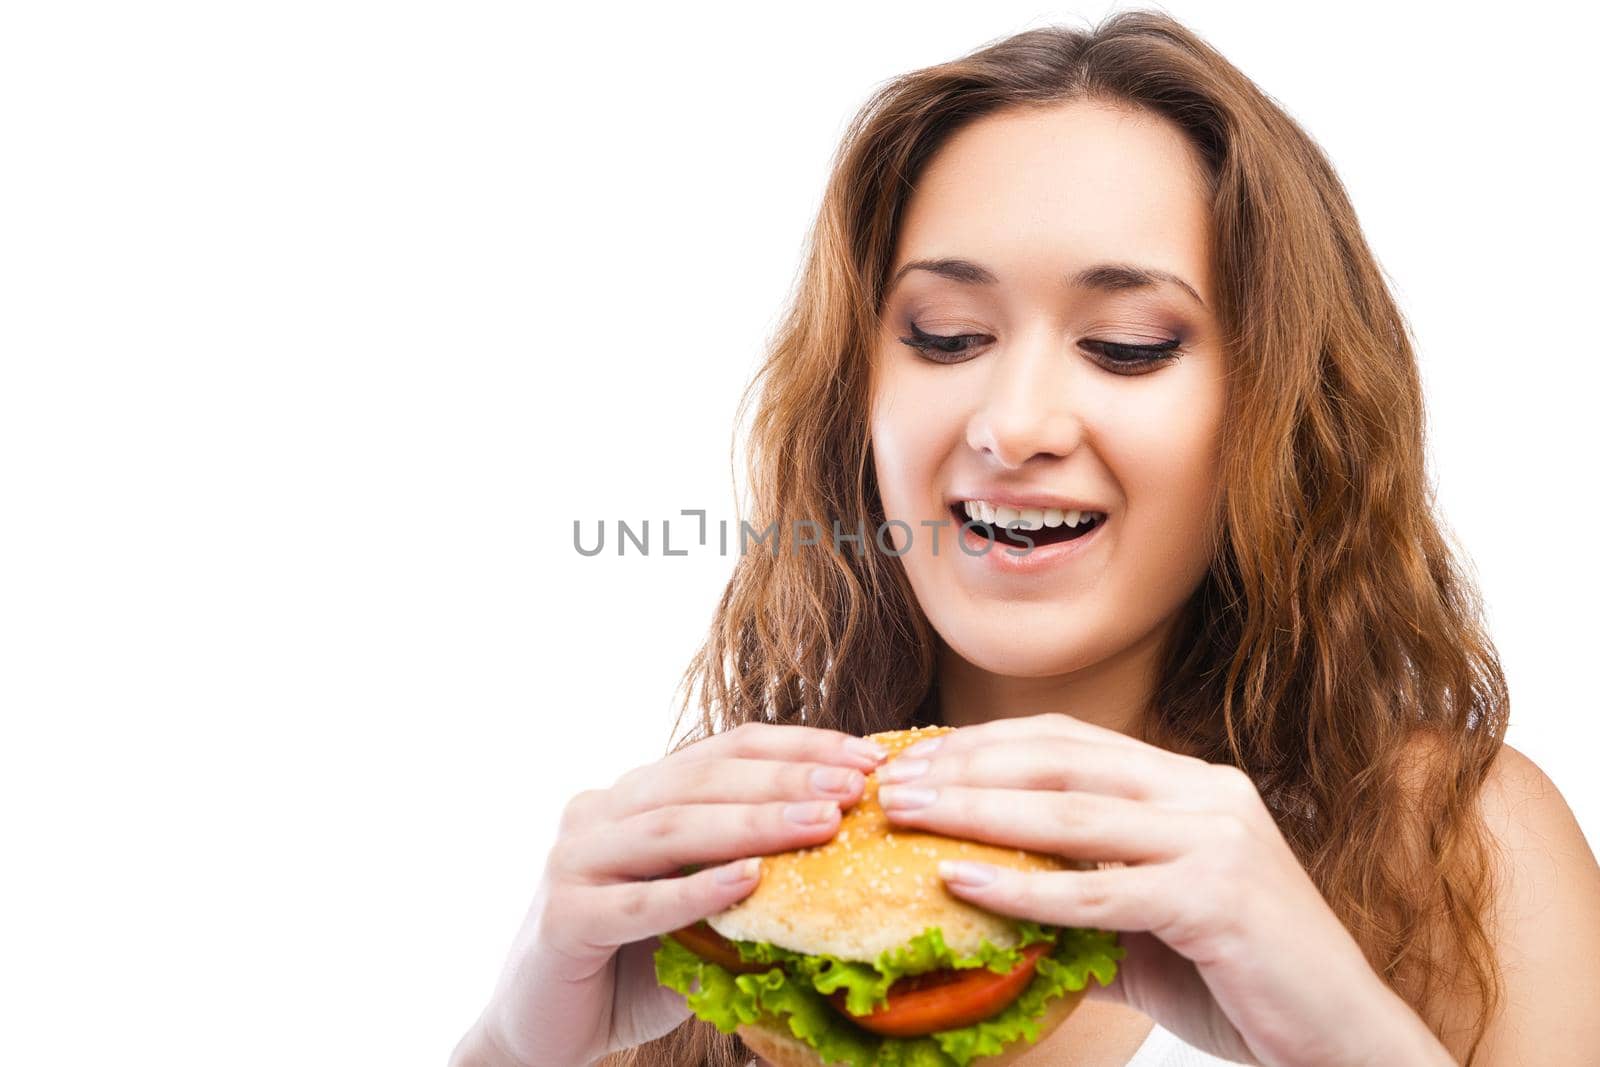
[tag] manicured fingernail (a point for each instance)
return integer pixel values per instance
(902, 770)
(966, 873)
(924, 748)
(870, 751)
(810, 813)
(835, 779)
(905, 797)
(741, 871)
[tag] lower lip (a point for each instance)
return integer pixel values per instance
(999, 558)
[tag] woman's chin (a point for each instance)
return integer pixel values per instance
(1031, 650)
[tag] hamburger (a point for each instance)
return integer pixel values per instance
(854, 952)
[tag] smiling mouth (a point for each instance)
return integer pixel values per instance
(1048, 535)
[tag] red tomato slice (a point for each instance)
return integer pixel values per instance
(706, 943)
(946, 999)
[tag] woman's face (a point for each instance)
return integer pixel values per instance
(1037, 406)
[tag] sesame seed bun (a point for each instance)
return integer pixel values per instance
(870, 889)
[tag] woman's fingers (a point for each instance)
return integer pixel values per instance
(619, 858)
(1084, 826)
(616, 873)
(662, 841)
(607, 916)
(787, 742)
(733, 780)
(1052, 724)
(1106, 898)
(1041, 763)
(1053, 760)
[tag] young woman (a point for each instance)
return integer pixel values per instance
(1100, 276)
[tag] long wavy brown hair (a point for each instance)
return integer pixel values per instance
(1335, 640)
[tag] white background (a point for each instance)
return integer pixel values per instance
(323, 321)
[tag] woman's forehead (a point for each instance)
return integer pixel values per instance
(1060, 191)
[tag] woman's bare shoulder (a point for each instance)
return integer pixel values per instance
(1546, 927)
(1542, 845)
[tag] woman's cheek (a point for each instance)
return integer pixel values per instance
(911, 430)
(1162, 448)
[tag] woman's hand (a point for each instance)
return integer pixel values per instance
(1229, 943)
(580, 979)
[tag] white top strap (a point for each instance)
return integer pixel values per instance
(1163, 1048)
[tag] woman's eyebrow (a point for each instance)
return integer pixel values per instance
(1108, 277)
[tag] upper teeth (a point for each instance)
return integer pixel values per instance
(1026, 518)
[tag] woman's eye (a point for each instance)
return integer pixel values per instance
(939, 348)
(1118, 358)
(1134, 359)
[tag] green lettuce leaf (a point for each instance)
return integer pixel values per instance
(794, 990)
(866, 985)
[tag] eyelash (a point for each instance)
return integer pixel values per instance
(1148, 356)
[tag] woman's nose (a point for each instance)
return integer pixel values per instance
(1027, 406)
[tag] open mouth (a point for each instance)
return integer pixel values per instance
(1036, 538)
